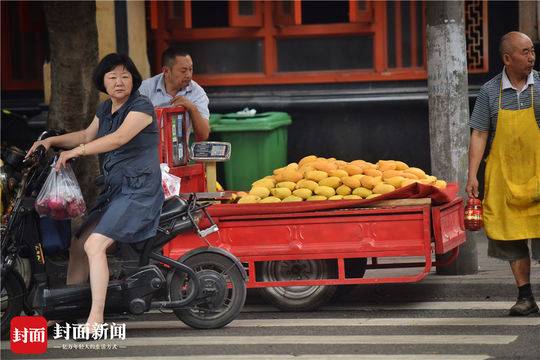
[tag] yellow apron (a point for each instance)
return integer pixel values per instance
(512, 180)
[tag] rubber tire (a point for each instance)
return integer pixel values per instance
(315, 295)
(15, 297)
(356, 271)
(203, 261)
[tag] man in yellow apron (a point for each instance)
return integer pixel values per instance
(507, 117)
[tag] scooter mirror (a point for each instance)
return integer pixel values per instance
(210, 151)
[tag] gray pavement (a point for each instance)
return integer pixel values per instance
(494, 281)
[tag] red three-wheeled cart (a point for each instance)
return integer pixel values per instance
(299, 253)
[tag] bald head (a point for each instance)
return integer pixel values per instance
(509, 41)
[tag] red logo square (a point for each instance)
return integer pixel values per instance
(28, 335)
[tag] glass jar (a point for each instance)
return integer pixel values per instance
(474, 219)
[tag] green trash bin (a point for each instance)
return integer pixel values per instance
(259, 145)
(214, 119)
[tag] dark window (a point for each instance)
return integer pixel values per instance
(419, 36)
(406, 33)
(206, 14)
(325, 12)
(24, 45)
(222, 57)
(246, 8)
(391, 29)
(326, 53)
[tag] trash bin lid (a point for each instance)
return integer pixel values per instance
(214, 118)
(258, 122)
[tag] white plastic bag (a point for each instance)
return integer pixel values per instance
(169, 182)
(60, 197)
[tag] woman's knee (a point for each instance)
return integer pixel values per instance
(97, 244)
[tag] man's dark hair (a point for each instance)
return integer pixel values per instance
(168, 57)
(108, 63)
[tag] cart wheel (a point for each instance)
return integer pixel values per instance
(297, 298)
(354, 268)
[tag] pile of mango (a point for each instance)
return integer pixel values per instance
(316, 178)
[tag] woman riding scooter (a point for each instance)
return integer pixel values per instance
(124, 134)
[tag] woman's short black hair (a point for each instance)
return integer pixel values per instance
(108, 63)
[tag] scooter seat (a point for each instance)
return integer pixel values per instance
(171, 208)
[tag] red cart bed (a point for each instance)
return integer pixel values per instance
(312, 245)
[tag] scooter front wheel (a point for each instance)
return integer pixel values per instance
(224, 288)
(12, 295)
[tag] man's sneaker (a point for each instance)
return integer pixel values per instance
(524, 307)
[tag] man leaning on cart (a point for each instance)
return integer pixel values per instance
(174, 86)
(506, 117)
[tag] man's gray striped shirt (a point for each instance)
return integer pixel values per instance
(486, 107)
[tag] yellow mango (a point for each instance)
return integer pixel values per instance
(351, 182)
(307, 184)
(279, 170)
(340, 163)
(431, 179)
(383, 188)
(249, 199)
(373, 196)
(289, 175)
(292, 166)
(420, 174)
(359, 163)
(267, 183)
(269, 200)
(352, 169)
(441, 184)
(368, 165)
(400, 165)
(384, 165)
(286, 184)
(409, 175)
(292, 198)
(316, 175)
(241, 193)
(302, 193)
(332, 181)
(326, 191)
(395, 181)
(362, 191)
(338, 173)
(336, 197)
(324, 165)
(391, 173)
(281, 193)
(372, 172)
(307, 159)
(259, 191)
(368, 182)
(343, 190)
(352, 197)
(305, 168)
(316, 198)
(357, 176)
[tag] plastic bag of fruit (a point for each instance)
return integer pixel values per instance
(61, 197)
(169, 182)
